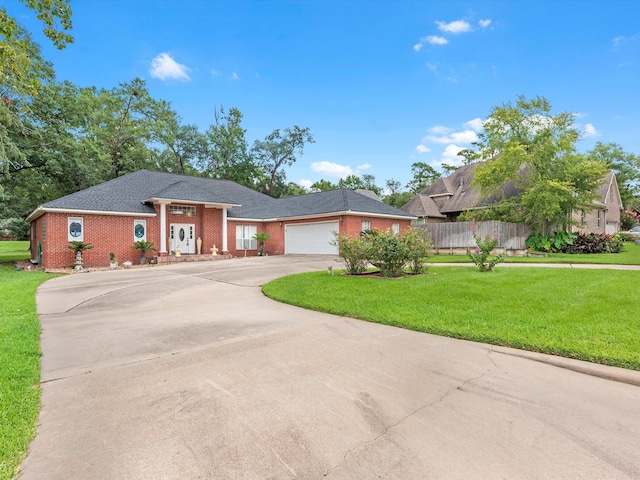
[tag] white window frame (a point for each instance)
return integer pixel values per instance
(244, 237)
(78, 238)
(599, 219)
(395, 226)
(143, 223)
(365, 225)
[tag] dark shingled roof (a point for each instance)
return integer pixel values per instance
(461, 194)
(128, 193)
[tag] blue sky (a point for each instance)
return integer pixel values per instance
(380, 84)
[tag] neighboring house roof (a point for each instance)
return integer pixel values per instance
(134, 193)
(455, 194)
(423, 206)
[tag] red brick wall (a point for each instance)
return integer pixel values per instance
(107, 233)
(112, 233)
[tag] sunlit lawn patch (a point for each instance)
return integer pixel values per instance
(584, 314)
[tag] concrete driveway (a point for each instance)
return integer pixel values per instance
(187, 371)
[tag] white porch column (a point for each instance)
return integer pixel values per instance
(224, 230)
(163, 228)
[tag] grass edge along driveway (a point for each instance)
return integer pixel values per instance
(582, 314)
(19, 365)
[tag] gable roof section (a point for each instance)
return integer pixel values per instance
(134, 193)
(423, 206)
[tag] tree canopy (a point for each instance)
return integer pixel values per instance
(527, 145)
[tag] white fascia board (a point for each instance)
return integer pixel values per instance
(38, 212)
(325, 215)
(167, 201)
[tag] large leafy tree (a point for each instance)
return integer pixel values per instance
(16, 48)
(423, 176)
(227, 153)
(626, 166)
(527, 145)
(396, 197)
(277, 151)
(180, 145)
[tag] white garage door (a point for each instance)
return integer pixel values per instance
(310, 238)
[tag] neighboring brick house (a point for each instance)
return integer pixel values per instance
(446, 198)
(174, 211)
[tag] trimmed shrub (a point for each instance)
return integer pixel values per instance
(352, 252)
(595, 243)
(384, 249)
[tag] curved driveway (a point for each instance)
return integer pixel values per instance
(187, 371)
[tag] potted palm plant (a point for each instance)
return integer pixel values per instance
(144, 246)
(261, 237)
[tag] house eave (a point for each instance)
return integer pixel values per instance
(324, 215)
(38, 212)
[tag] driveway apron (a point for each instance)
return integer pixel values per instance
(189, 372)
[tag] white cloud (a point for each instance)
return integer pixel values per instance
(590, 131)
(164, 67)
(422, 149)
(457, 26)
(465, 136)
(234, 76)
(436, 40)
(431, 39)
(440, 130)
(305, 183)
(476, 124)
(484, 23)
(215, 73)
(331, 169)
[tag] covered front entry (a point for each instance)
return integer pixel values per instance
(182, 236)
(311, 238)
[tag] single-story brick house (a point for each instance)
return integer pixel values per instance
(180, 212)
(446, 198)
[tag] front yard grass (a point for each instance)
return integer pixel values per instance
(584, 314)
(14, 250)
(19, 364)
(629, 256)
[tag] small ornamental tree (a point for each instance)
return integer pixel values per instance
(482, 253)
(352, 252)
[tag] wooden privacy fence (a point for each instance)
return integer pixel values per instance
(510, 236)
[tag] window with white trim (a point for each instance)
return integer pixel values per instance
(139, 230)
(44, 229)
(75, 229)
(598, 218)
(244, 237)
(395, 226)
(365, 225)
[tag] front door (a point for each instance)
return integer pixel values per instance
(182, 236)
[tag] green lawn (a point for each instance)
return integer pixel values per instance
(19, 361)
(14, 250)
(630, 256)
(585, 314)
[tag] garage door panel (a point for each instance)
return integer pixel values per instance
(311, 238)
